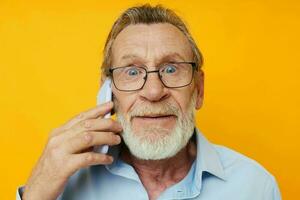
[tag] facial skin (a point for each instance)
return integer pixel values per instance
(152, 45)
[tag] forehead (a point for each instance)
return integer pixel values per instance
(151, 43)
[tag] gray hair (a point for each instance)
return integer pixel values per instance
(146, 14)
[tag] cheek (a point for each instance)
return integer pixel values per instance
(182, 99)
(123, 101)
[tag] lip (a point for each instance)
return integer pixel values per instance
(155, 117)
(145, 122)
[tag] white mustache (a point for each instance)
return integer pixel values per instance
(154, 110)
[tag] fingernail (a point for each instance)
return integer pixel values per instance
(110, 158)
(118, 139)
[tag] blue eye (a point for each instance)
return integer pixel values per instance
(170, 69)
(132, 72)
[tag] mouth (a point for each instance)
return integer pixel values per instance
(148, 121)
(155, 117)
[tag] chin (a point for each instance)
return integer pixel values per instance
(152, 135)
(156, 143)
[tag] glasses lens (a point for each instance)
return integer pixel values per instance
(129, 78)
(176, 74)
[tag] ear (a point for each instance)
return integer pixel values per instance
(199, 84)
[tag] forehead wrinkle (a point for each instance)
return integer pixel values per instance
(149, 45)
(165, 56)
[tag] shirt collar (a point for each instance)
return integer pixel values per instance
(207, 159)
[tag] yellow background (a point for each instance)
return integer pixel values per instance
(50, 53)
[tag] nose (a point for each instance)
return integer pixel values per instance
(153, 90)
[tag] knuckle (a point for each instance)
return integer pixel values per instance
(88, 137)
(90, 158)
(80, 115)
(54, 153)
(82, 123)
(53, 142)
(94, 158)
(85, 123)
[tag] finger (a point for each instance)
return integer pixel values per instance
(78, 161)
(93, 113)
(108, 125)
(89, 139)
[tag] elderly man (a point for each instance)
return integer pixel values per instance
(155, 150)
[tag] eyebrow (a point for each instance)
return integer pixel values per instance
(128, 56)
(167, 57)
(173, 55)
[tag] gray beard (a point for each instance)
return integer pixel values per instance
(155, 142)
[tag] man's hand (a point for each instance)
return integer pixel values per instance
(69, 148)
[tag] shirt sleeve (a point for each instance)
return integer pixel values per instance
(19, 193)
(272, 191)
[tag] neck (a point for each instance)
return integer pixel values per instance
(157, 175)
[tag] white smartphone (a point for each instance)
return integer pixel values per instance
(104, 95)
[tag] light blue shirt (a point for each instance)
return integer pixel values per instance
(218, 173)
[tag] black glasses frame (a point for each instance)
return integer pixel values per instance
(194, 66)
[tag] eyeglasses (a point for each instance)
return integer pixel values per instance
(171, 74)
